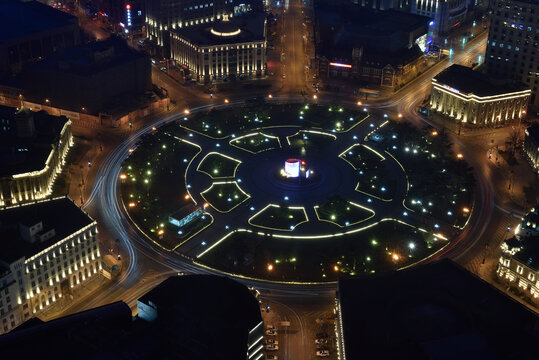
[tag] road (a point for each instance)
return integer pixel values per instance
(145, 266)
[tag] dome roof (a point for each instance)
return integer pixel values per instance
(225, 27)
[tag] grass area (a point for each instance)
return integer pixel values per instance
(441, 183)
(279, 217)
(224, 196)
(218, 166)
(222, 123)
(371, 172)
(310, 140)
(341, 212)
(256, 142)
(153, 187)
(188, 231)
(384, 247)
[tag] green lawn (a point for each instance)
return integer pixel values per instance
(224, 197)
(218, 166)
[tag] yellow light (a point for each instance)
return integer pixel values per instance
(154, 128)
(400, 115)
(186, 112)
(161, 232)
(206, 205)
(359, 103)
(336, 268)
(434, 133)
(132, 204)
(187, 197)
(226, 101)
(395, 256)
(270, 96)
(460, 156)
(123, 176)
(270, 267)
(315, 97)
(466, 210)
(131, 150)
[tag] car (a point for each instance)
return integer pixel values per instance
(322, 353)
(321, 335)
(321, 341)
(271, 332)
(271, 342)
(272, 357)
(272, 347)
(270, 327)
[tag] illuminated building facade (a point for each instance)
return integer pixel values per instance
(470, 97)
(519, 263)
(446, 14)
(223, 49)
(163, 16)
(531, 145)
(33, 146)
(376, 47)
(513, 46)
(49, 248)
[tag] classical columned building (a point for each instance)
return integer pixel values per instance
(470, 97)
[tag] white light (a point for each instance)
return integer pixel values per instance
(405, 213)
(411, 245)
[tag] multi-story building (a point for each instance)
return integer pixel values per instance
(433, 311)
(163, 16)
(125, 14)
(513, 43)
(223, 49)
(368, 46)
(531, 145)
(30, 31)
(519, 262)
(446, 14)
(49, 248)
(33, 148)
(100, 77)
(471, 97)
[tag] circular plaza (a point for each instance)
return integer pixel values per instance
(296, 192)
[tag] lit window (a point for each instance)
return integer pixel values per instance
(519, 269)
(531, 277)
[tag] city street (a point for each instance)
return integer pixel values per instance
(294, 310)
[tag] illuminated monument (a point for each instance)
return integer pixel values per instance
(296, 168)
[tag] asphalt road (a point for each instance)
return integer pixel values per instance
(145, 266)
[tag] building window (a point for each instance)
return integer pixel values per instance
(519, 269)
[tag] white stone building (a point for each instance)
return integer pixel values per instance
(49, 248)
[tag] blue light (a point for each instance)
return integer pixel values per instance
(405, 213)
(203, 243)
(431, 23)
(286, 198)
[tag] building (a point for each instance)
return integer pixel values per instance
(126, 15)
(195, 317)
(531, 145)
(95, 78)
(33, 148)
(471, 97)
(433, 311)
(49, 248)
(367, 46)
(30, 31)
(446, 15)
(191, 309)
(185, 215)
(163, 16)
(512, 46)
(227, 48)
(519, 262)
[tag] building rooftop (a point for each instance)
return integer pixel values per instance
(433, 311)
(529, 252)
(26, 139)
(19, 19)
(206, 309)
(89, 59)
(60, 214)
(468, 81)
(240, 29)
(533, 132)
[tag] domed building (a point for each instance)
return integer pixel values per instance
(227, 49)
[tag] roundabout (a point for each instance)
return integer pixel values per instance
(296, 192)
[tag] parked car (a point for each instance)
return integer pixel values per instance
(271, 332)
(272, 347)
(270, 327)
(321, 335)
(321, 341)
(322, 353)
(272, 357)
(272, 341)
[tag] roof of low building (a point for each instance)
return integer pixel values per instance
(468, 81)
(19, 19)
(250, 26)
(433, 311)
(20, 155)
(60, 214)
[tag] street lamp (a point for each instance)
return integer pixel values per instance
(186, 112)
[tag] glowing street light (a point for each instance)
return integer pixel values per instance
(315, 97)
(123, 176)
(434, 133)
(270, 96)
(270, 267)
(187, 197)
(336, 268)
(226, 101)
(186, 112)
(395, 256)
(460, 156)
(400, 115)
(154, 128)
(466, 210)
(359, 103)
(132, 204)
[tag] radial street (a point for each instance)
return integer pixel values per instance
(304, 307)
